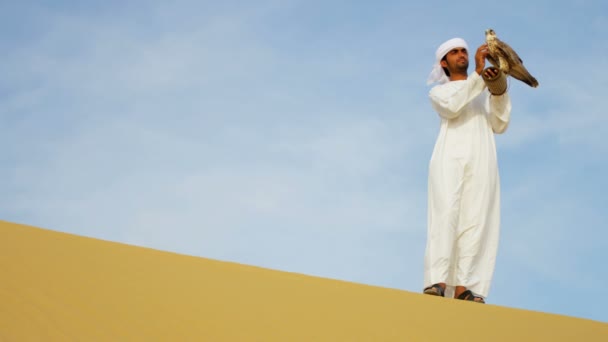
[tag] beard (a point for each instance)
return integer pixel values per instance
(459, 67)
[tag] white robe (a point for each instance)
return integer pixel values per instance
(463, 186)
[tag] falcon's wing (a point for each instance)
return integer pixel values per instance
(516, 65)
(508, 53)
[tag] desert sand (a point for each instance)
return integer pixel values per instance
(61, 287)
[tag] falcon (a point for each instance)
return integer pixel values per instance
(503, 57)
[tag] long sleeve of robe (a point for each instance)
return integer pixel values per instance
(463, 185)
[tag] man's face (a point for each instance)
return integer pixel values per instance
(456, 61)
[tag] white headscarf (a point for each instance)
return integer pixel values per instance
(437, 74)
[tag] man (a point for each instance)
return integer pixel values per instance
(463, 188)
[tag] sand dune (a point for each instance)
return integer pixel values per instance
(62, 287)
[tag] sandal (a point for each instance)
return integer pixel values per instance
(468, 295)
(434, 290)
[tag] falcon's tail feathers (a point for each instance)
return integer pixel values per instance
(519, 72)
(532, 82)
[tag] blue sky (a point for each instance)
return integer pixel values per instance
(296, 135)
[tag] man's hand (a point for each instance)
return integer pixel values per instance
(490, 73)
(495, 80)
(480, 58)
